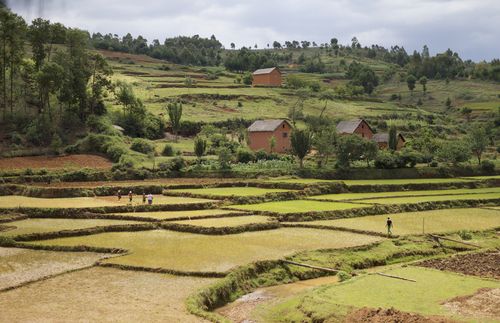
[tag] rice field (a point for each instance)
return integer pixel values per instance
(231, 191)
(227, 222)
(370, 195)
(29, 226)
(103, 295)
(193, 252)
(299, 206)
(14, 201)
(425, 296)
(421, 199)
(379, 181)
(169, 215)
(436, 221)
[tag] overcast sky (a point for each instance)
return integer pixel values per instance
(470, 27)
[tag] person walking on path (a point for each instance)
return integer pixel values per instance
(389, 227)
(119, 194)
(130, 196)
(143, 198)
(150, 199)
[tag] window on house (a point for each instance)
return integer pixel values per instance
(285, 134)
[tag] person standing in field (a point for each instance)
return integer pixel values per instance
(119, 194)
(143, 198)
(130, 196)
(389, 227)
(150, 199)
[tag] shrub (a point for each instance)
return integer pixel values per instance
(177, 164)
(224, 158)
(434, 164)
(261, 155)
(343, 276)
(488, 166)
(244, 155)
(386, 160)
(465, 235)
(142, 146)
(168, 150)
(409, 157)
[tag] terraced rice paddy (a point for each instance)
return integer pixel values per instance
(14, 201)
(227, 222)
(437, 221)
(231, 191)
(425, 296)
(421, 199)
(299, 206)
(29, 226)
(194, 252)
(370, 195)
(103, 294)
(378, 181)
(180, 215)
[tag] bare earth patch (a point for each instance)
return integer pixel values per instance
(484, 303)
(102, 295)
(485, 264)
(52, 162)
(380, 315)
(18, 266)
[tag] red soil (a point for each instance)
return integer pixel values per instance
(53, 162)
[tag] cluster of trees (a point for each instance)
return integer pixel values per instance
(193, 50)
(248, 60)
(55, 88)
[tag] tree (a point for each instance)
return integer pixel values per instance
(363, 75)
(233, 46)
(225, 158)
(272, 144)
(276, 45)
(423, 82)
(478, 141)
(448, 103)
(454, 152)
(324, 141)
(467, 113)
(175, 114)
(393, 138)
(411, 81)
(370, 151)
(39, 33)
(350, 148)
(200, 146)
(301, 144)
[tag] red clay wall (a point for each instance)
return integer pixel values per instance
(260, 140)
(271, 79)
(364, 131)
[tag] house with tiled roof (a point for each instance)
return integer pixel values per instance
(261, 132)
(267, 77)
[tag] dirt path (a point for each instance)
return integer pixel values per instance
(485, 264)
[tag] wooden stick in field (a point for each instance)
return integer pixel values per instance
(312, 267)
(396, 277)
(453, 240)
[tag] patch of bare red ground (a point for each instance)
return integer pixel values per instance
(484, 303)
(391, 315)
(54, 162)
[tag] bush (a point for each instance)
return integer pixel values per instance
(488, 166)
(177, 164)
(409, 157)
(343, 276)
(224, 158)
(244, 155)
(434, 164)
(465, 235)
(168, 150)
(261, 155)
(387, 160)
(142, 146)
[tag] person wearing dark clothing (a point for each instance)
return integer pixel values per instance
(143, 198)
(389, 227)
(130, 196)
(119, 195)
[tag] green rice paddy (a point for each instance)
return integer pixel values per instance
(14, 201)
(227, 222)
(167, 215)
(380, 181)
(194, 252)
(299, 206)
(421, 199)
(362, 196)
(436, 221)
(231, 191)
(49, 225)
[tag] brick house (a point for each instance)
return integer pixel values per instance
(382, 139)
(358, 126)
(267, 77)
(261, 132)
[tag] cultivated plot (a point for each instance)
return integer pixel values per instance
(227, 222)
(299, 206)
(13, 201)
(421, 199)
(29, 226)
(194, 252)
(370, 195)
(18, 266)
(379, 181)
(181, 215)
(107, 295)
(231, 191)
(436, 221)
(425, 296)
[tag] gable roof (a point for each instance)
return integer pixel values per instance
(350, 125)
(266, 125)
(265, 70)
(384, 137)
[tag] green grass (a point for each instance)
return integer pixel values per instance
(226, 222)
(194, 252)
(13, 201)
(404, 200)
(166, 215)
(362, 196)
(231, 191)
(436, 221)
(48, 225)
(299, 206)
(424, 297)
